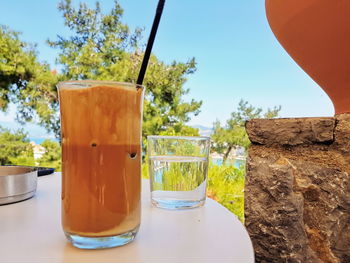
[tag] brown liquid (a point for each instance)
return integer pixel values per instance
(101, 160)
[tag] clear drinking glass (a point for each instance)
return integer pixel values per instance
(178, 169)
(101, 162)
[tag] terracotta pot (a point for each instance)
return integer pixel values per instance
(316, 34)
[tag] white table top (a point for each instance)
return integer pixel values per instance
(30, 231)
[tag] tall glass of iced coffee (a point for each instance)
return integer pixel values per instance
(101, 162)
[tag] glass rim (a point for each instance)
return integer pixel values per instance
(178, 137)
(91, 83)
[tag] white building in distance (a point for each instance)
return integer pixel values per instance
(38, 150)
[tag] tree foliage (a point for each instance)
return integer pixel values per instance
(100, 47)
(15, 148)
(233, 134)
(52, 155)
(26, 82)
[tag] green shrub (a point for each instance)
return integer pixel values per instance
(52, 156)
(15, 148)
(226, 186)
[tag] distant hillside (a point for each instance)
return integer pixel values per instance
(203, 131)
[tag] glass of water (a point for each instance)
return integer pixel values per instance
(178, 169)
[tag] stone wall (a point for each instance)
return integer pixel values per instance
(297, 195)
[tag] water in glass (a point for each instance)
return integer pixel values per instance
(178, 182)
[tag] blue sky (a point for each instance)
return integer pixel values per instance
(237, 54)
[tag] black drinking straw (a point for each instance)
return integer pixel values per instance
(152, 36)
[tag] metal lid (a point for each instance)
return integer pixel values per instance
(17, 183)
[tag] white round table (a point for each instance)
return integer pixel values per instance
(30, 231)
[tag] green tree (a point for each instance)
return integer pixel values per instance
(52, 156)
(15, 148)
(233, 134)
(26, 82)
(101, 47)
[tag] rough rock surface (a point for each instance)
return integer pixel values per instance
(291, 131)
(297, 194)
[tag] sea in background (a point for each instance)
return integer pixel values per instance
(38, 134)
(235, 162)
(40, 140)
